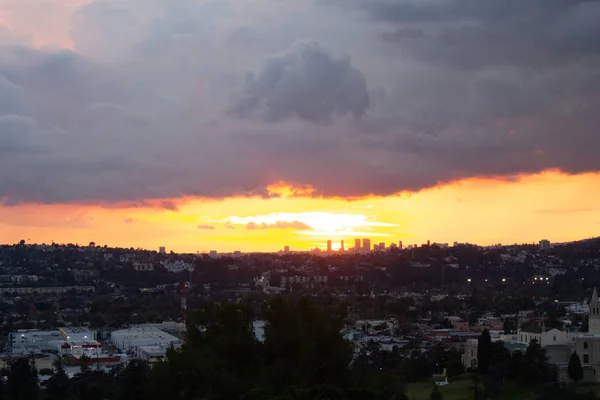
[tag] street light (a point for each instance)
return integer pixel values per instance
(469, 280)
(503, 279)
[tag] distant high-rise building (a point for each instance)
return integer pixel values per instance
(357, 245)
(342, 246)
(544, 244)
(382, 246)
(162, 250)
(286, 249)
(213, 253)
(329, 246)
(400, 244)
(366, 245)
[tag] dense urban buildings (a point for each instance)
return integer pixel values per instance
(111, 306)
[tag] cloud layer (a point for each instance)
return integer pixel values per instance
(306, 82)
(279, 225)
(163, 99)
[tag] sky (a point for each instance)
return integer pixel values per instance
(255, 124)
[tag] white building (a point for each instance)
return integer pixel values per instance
(138, 266)
(128, 340)
(578, 308)
(544, 337)
(150, 354)
(77, 334)
(177, 266)
(587, 346)
(27, 341)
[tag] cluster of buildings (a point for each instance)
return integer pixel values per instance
(361, 246)
(559, 344)
(70, 344)
(145, 342)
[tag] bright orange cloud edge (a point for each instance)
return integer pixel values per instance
(283, 189)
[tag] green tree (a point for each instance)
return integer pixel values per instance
(435, 393)
(484, 351)
(574, 368)
(132, 381)
(303, 344)
(93, 385)
(303, 356)
(534, 368)
(22, 379)
(220, 358)
(59, 385)
(84, 363)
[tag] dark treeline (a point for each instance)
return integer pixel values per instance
(303, 356)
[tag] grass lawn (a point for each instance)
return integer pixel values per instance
(458, 389)
(588, 387)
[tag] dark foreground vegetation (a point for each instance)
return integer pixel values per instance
(303, 356)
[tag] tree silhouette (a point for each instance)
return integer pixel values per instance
(132, 381)
(58, 386)
(22, 379)
(484, 351)
(574, 368)
(435, 393)
(84, 363)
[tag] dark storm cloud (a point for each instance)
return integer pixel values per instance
(15, 134)
(306, 82)
(444, 91)
(472, 34)
(12, 99)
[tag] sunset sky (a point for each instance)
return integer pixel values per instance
(254, 124)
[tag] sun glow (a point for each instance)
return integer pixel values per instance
(320, 223)
(549, 206)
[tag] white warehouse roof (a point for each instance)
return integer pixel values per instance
(136, 336)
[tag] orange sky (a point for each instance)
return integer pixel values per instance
(549, 205)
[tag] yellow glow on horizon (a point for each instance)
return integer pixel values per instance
(549, 206)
